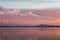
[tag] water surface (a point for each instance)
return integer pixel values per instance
(16, 33)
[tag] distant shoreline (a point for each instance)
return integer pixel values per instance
(33, 27)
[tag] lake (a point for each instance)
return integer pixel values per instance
(30, 33)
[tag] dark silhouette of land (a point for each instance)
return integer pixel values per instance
(41, 25)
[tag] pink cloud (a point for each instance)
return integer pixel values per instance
(32, 14)
(16, 10)
(22, 15)
(4, 21)
(2, 8)
(10, 12)
(1, 13)
(29, 14)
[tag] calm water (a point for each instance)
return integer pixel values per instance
(29, 33)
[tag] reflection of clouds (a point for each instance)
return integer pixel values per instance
(33, 33)
(57, 32)
(45, 32)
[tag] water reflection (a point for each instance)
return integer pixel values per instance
(29, 33)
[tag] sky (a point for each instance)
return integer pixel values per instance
(30, 4)
(29, 12)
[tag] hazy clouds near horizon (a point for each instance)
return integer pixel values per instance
(29, 16)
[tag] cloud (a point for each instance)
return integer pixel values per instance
(35, 15)
(18, 19)
(29, 13)
(31, 17)
(9, 12)
(4, 9)
(1, 13)
(4, 21)
(22, 15)
(16, 10)
(43, 6)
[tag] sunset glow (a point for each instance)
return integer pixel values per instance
(28, 12)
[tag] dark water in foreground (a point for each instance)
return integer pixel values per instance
(29, 33)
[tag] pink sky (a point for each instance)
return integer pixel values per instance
(29, 17)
